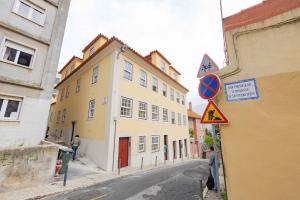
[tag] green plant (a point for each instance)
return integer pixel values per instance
(223, 196)
(208, 140)
(191, 132)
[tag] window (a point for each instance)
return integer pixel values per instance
(67, 92)
(126, 107)
(63, 117)
(58, 117)
(91, 111)
(128, 70)
(172, 94)
(184, 120)
(154, 84)
(29, 11)
(95, 74)
(164, 89)
(165, 115)
(142, 141)
(17, 54)
(173, 118)
(177, 97)
(143, 78)
(10, 107)
(62, 94)
(92, 50)
(78, 85)
(162, 66)
(175, 76)
(67, 72)
(142, 110)
(155, 113)
(182, 100)
(155, 143)
(179, 119)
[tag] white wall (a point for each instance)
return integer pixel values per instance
(31, 126)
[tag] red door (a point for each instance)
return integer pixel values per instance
(123, 152)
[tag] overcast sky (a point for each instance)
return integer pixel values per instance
(182, 30)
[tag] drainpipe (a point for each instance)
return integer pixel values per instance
(123, 48)
(113, 161)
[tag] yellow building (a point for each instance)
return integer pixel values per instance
(124, 106)
(261, 142)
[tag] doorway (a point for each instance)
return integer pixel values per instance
(185, 147)
(180, 148)
(166, 147)
(123, 152)
(174, 150)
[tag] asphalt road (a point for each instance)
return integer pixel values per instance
(179, 182)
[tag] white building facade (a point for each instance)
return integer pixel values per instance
(31, 34)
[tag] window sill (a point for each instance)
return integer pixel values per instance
(41, 25)
(9, 120)
(15, 64)
(155, 151)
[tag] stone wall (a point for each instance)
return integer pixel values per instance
(27, 166)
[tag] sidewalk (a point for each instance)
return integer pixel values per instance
(212, 195)
(87, 177)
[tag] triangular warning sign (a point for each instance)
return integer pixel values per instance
(207, 66)
(213, 115)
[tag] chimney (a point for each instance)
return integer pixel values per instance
(190, 106)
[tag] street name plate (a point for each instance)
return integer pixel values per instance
(241, 90)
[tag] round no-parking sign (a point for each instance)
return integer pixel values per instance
(209, 86)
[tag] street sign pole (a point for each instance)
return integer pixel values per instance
(216, 161)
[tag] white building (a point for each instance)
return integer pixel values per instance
(31, 34)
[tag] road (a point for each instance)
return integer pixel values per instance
(178, 182)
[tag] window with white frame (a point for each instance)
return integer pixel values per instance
(17, 54)
(62, 94)
(173, 118)
(172, 94)
(154, 84)
(179, 118)
(126, 107)
(164, 89)
(182, 99)
(58, 117)
(162, 66)
(143, 78)
(127, 70)
(10, 107)
(177, 97)
(67, 72)
(184, 120)
(67, 92)
(95, 74)
(155, 113)
(155, 143)
(142, 143)
(78, 85)
(63, 117)
(91, 111)
(30, 11)
(165, 115)
(175, 76)
(142, 110)
(92, 50)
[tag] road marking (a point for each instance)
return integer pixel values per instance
(96, 198)
(147, 193)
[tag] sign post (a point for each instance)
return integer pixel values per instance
(209, 87)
